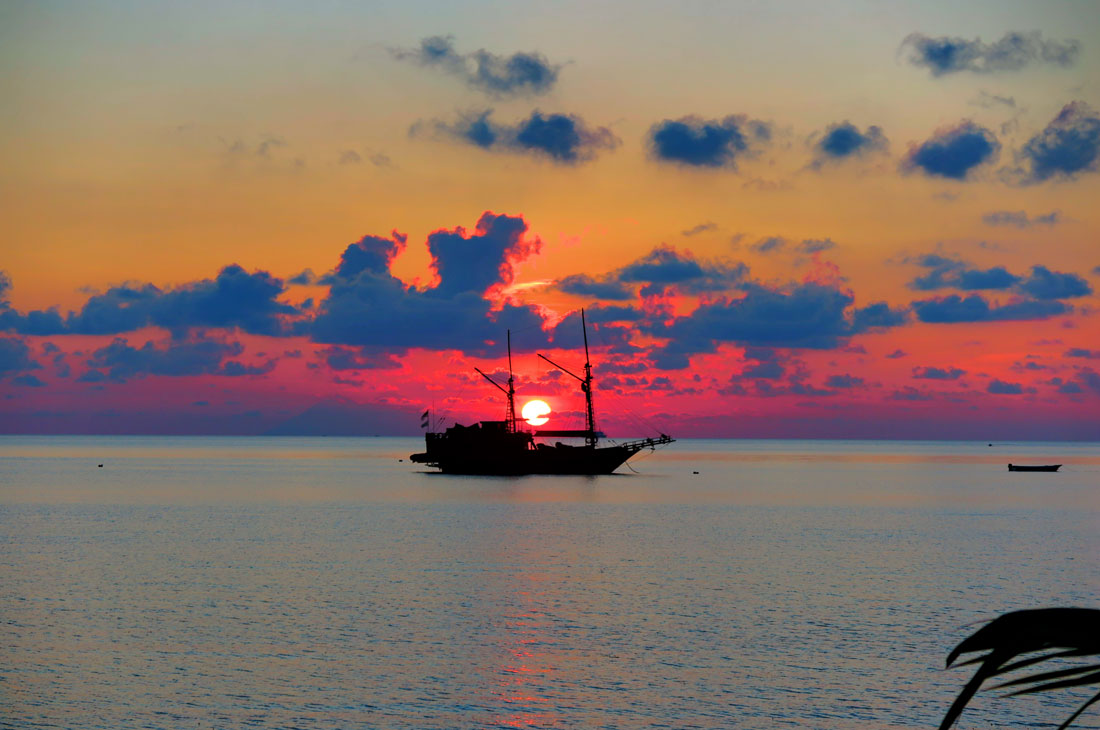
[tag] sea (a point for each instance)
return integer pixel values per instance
(199, 582)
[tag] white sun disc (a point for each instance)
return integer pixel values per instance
(535, 412)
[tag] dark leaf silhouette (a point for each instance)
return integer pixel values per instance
(1070, 632)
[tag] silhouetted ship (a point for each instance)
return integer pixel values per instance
(1037, 467)
(500, 448)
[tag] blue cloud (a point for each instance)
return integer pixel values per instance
(945, 55)
(975, 308)
(953, 152)
(844, 140)
(1046, 284)
(696, 142)
(15, 356)
(360, 358)
(933, 373)
(801, 316)
(28, 381)
(597, 288)
(1000, 387)
(518, 74)
(235, 298)
(1068, 146)
(1083, 352)
(843, 381)
(202, 357)
(374, 308)
(563, 138)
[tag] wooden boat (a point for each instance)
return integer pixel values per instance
(501, 448)
(1037, 467)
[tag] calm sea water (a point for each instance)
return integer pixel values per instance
(325, 583)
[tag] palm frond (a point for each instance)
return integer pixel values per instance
(1074, 631)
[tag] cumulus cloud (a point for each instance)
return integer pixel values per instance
(15, 356)
(1083, 352)
(596, 287)
(806, 315)
(518, 74)
(944, 55)
(360, 358)
(233, 299)
(368, 306)
(661, 267)
(934, 373)
(1046, 284)
(123, 362)
(844, 140)
(975, 308)
(1067, 147)
(1020, 218)
(1000, 387)
(562, 138)
(697, 142)
(1041, 283)
(953, 152)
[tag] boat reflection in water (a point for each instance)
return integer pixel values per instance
(500, 448)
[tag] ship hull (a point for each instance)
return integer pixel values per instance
(578, 461)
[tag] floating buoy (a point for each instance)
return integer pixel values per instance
(695, 472)
(101, 466)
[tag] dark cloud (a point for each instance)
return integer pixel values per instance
(804, 315)
(28, 381)
(661, 267)
(368, 306)
(954, 151)
(945, 55)
(1020, 219)
(844, 140)
(350, 157)
(201, 357)
(933, 373)
(843, 381)
(974, 308)
(1041, 283)
(897, 355)
(360, 358)
(563, 138)
(1046, 284)
(1000, 387)
(597, 288)
(15, 356)
(1082, 352)
(613, 314)
(234, 299)
(1069, 145)
(517, 74)
(909, 393)
(697, 142)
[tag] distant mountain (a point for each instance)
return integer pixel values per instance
(346, 418)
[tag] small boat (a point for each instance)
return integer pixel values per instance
(1037, 467)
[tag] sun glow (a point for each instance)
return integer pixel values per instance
(535, 412)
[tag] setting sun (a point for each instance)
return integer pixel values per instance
(535, 412)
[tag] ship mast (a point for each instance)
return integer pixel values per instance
(586, 386)
(511, 390)
(510, 424)
(591, 436)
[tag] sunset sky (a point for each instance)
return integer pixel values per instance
(788, 219)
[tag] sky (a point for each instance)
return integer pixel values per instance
(782, 219)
